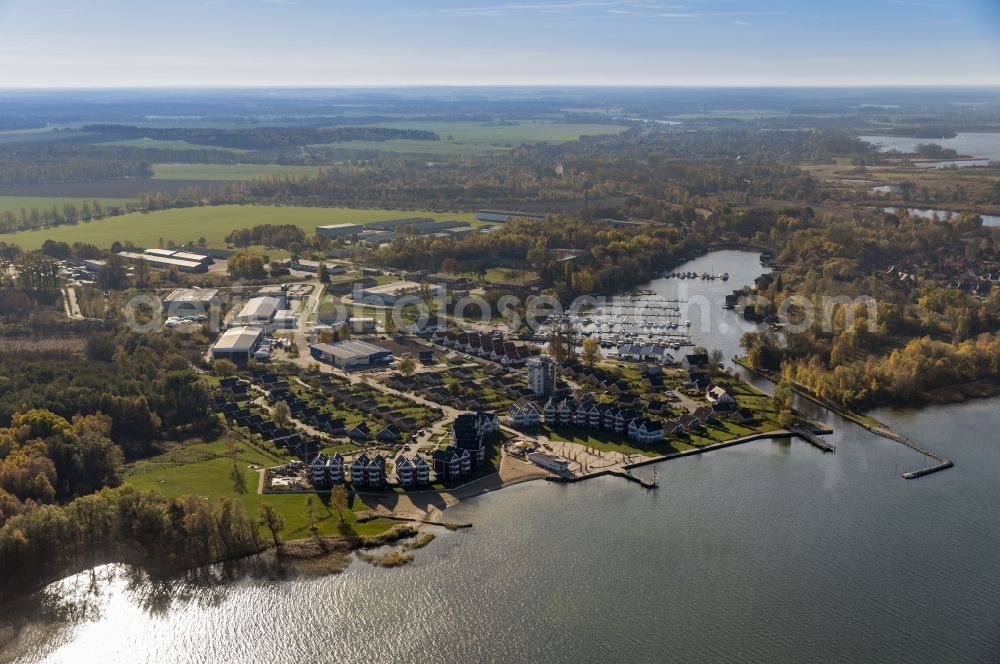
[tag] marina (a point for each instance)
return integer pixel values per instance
(764, 496)
(638, 317)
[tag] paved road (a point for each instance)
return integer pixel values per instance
(72, 307)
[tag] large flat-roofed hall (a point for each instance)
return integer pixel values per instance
(351, 354)
(238, 344)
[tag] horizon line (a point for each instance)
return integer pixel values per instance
(583, 86)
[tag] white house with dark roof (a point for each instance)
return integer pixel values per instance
(550, 411)
(564, 413)
(359, 469)
(404, 471)
(421, 470)
(720, 398)
(645, 430)
(523, 415)
(375, 472)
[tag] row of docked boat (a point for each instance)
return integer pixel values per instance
(628, 320)
(704, 276)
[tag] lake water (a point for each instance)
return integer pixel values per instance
(988, 219)
(711, 325)
(984, 145)
(768, 552)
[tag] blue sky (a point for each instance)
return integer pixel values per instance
(57, 43)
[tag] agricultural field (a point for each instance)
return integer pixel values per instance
(228, 172)
(16, 203)
(203, 469)
(459, 138)
(213, 223)
(156, 144)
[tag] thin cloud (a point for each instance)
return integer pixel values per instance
(715, 14)
(624, 7)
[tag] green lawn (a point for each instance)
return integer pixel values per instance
(152, 143)
(16, 203)
(458, 138)
(498, 274)
(213, 223)
(201, 469)
(228, 171)
(406, 146)
(610, 442)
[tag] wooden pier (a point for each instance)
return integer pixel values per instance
(645, 484)
(813, 439)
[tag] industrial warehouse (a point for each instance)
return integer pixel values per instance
(185, 301)
(380, 232)
(503, 216)
(168, 258)
(238, 344)
(351, 354)
(259, 311)
(339, 230)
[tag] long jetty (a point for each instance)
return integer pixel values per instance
(813, 439)
(608, 472)
(645, 484)
(882, 430)
(626, 469)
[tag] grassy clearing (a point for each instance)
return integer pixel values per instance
(403, 146)
(16, 203)
(213, 223)
(202, 469)
(458, 138)
(503, 274)
(228, 171)
(154, 144)
(610, 442)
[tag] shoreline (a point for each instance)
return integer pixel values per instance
(868, 422)
(472, 489)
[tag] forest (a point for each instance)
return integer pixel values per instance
(68, 422)
(926, 334)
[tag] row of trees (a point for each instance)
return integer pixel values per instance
(260, 138)
(68, 213)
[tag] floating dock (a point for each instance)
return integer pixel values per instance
(914, 474)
